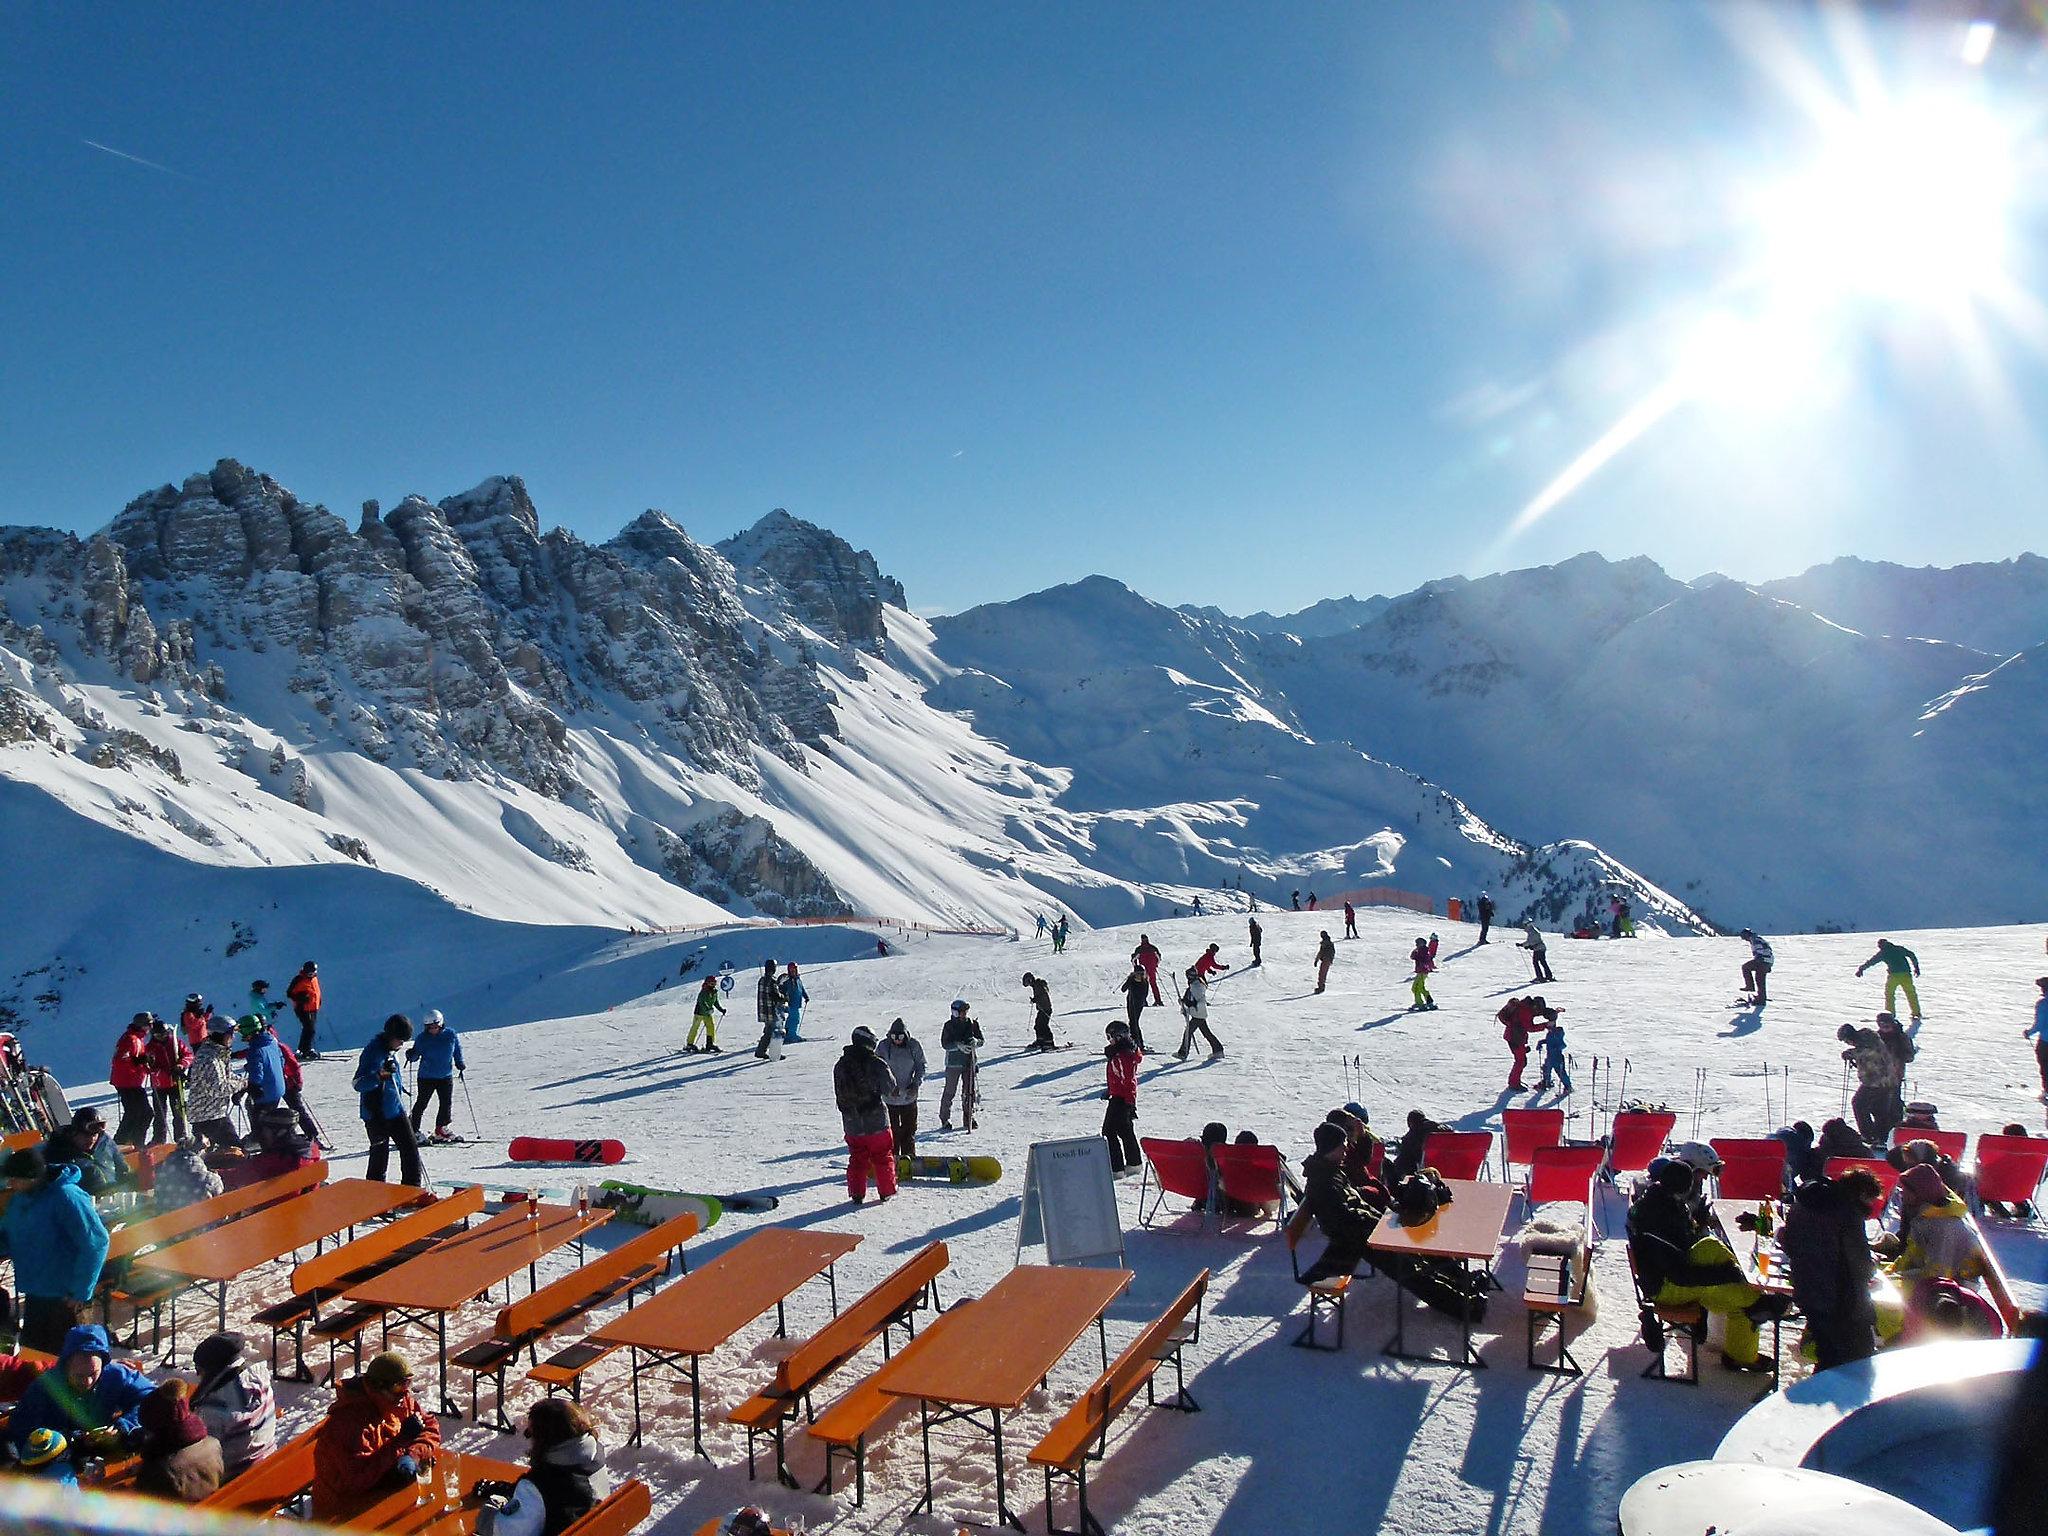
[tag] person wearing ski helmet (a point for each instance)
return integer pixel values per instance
(1680, 1259)
(129, 1078)
(1120, 1117)
(304, 992)
(962, 1040)
(194, 1018)
(262, 1056)
(438, 1050)
(904, 1058)
(1041, 1012)
(1485, 915)
(377, 1082)
(260, 1002)
(862, 1085)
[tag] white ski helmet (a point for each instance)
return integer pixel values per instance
(1703, 1158)
(433, 1020)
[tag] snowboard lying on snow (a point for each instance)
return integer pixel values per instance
(646, 1207)
(550, 1149)
(955, 1170)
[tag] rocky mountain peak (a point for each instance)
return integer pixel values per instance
(836, 589)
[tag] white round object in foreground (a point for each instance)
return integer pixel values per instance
(1721, 1498)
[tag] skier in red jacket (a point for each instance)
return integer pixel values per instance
(169, 1060)
(129, 1077)
(1120, 1119)
(1146, 958)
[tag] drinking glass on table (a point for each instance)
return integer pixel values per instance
(449, 1473)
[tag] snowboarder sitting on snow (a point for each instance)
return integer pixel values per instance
(439, 1053)
(1901, 966)
(1347, 1212)
(768, 1007)
(1680, 1259)
(704, 1016)
(862, 1084)
(1041, 1012)
(1120, 1118)
(1423, 958)
(962, 1039)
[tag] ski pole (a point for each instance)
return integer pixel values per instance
(475, 1129)
(1845, 1088)
(1767, 1098)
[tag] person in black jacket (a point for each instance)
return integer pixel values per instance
(1680, 1259)
(565, 1476)
(1137, 990)
(1041, 1012)
(1408, 1150)
(1829, 1256)
(1485, 915)
(1347, 1212)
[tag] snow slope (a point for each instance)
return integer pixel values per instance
(1286, 1439)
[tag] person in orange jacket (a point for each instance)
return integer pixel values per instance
(304, 993)
(377, 1437)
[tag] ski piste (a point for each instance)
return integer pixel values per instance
(954, 1170)
(556, 1149)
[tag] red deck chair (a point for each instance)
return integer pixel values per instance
(1252, 1175)
(1752, 1167)
(1637, 1139)
(1177, 1168)
(1950, 1142)
(1886, 1175)
(1564, 1173)
(1458, 1154)
(1522, 1132)
(2010, 1168)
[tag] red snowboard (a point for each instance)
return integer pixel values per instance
(551, 1149)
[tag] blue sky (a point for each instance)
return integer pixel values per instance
(1246, 305)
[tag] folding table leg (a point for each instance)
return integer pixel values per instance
(633, 1360)
(1003, 1515)
(696, 1412)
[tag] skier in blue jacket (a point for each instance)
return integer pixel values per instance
(794, 995)
(58, 1243)
(439, 1053)
(264, 1059)
(377, 1081)
(88, 1396)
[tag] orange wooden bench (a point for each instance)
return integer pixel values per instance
(843, 1427)
(640, 1260)
(889, 1305)
(618, 1512)
(158, 1289)
(1326, 1294)
(278, 1480)
(325, 1276)
(1688, 1319)
(1082, 1432)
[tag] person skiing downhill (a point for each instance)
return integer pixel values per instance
(1538, 957)
(862, 1085)
(1485, 915)
(1423, 958)
(1756, 970)
(1137, 989)
(1208, 963)
(1041, 1013)
(438, 1050)
(794, 995)
(1350, 921)
(1146, 958)
(1258, 935)
(904, 1058)
(767, 1006)
(1901, 966)
(304, 992)
(705, 1016)
(962, 1039)
(1326, 955)
(1119, 1119)
(1194, 1007)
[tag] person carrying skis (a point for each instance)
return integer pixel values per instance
(794, 995)
(1041, 1013)
(1120, 1118)
(962, 1039)
(304, 992)
(1423, 958)
(1532, 941)
(1194, 1007)
(377, 1082)
(1137, 991)
(169, 1060)
(1326, 955)
(1756, 970)
(1553, 1060)
(438, 1050)
(1258, 935)
(862, 1084)
(705, 1016)
(2038, 1033)
(195, 1017)
(1146, 958)
(210, 1087)
(1877, 1083)
(1485, 915)
(767, 1007)
(1350, 921)
(1901, 966)
(1517, 1018)
(129, 1078)
(1207, 964)
(904, 1058)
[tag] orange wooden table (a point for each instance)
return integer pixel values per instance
(457, 1270)
(1022, 1328)
(224, 1254)
(701, 1311)
(1467, 1231)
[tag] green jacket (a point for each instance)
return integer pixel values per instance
(1898, 960)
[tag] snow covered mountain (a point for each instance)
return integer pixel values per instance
(2000, 607)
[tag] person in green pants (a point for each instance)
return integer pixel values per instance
(1679, 1258)
(1901, 965)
